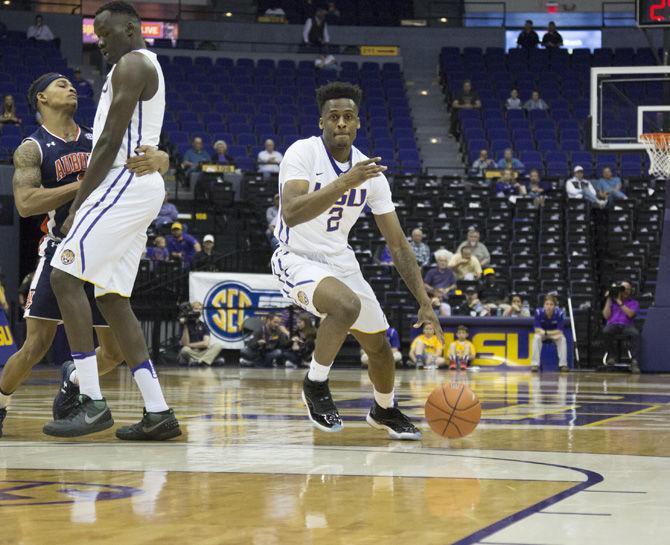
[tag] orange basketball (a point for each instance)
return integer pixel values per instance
(453, 411)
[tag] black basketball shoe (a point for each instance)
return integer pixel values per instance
(394, 422)
(3, 413)
(320, 406)
(89, 416)
(153, 427)
(67, 397)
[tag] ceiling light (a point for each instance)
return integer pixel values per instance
(229, 14)
(443, 19)
(434, 140)
(423, 92)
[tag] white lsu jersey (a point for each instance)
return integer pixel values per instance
(325, 238)
(147, 120)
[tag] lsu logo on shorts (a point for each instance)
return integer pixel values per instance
(67, 257)
(302, 297)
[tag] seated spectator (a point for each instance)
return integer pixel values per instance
(516, 309)
(549, 323)
(332, 14)
(440, 280)
(479, 249)
(511, 162)
(167, 214)
(268, 346)
(619, 312)
(269, 158)
(608, 187)
(159, 251)
(472, 306)
(271, 214)
(441, 307)
(421, 249)
(326, 62)
(552, 38)
(528, 38)
(465, 265)
(394, 341)
(302, 342)
(8, 114)
(537, 189)
(579, 187)
(467, 99)
(383, 256)
(535, 102)
(39, 31)
(492, 294)
(208, 259)
(461, 351)
(197, 348)
(182, 246)
(427, 349)
(83, 86)
(482, 164)
(508, 186)
(315, 31)
(222, 156)
(193, 159)
(275, 10)
(513, 102)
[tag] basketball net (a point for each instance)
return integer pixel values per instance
(657, 145)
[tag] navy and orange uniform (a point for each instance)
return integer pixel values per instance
(62, 163)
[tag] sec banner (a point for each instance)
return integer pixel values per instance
(231, 298)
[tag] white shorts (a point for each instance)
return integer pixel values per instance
(299, 278)
(109, 233)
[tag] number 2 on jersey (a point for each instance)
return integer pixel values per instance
(334, 219)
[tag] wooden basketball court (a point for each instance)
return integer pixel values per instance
(557, 459)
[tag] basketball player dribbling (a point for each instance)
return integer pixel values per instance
(47, 167)
(106, 231)
(324, 184)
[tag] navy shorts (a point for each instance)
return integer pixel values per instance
(42, 303)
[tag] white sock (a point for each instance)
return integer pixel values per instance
(4, 400)
(318, 372)
(74, 377)
(385, 401)
(147, 381)
(87, 372)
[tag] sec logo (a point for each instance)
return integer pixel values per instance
(67, 257)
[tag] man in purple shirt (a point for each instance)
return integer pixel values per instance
(620, 311)
(181, 245)
(440, 280)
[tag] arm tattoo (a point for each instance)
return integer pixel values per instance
(27, 173)
(406, 265)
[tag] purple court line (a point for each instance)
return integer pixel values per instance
(507, 543)
(615, 491)
(578, 514)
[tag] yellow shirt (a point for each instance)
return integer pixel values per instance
(462, 348)
(433, 346)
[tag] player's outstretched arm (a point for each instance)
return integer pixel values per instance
(29, 195)
(299, 206)
(405, 263)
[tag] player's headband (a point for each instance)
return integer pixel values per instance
(39, 88)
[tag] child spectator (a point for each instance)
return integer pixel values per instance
(517, 309)
(461, 351)
(426, 350)
(394, 341)
(513, 102)
(159, 251)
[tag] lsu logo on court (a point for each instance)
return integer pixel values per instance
(229, 303)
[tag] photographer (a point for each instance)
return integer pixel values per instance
(195, 339)
(268, 345)
(302, 342)
(620, 311)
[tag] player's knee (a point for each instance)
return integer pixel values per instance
(349, 309)
(34, 348)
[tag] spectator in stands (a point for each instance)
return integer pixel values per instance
(315, 31)
(394, 341)
(528, 38)
(268, 346)
(467, 99)
(40, 31)
(427, 349)
(197, 346)
(579, 187)
(8, 115)
(193, 159)
(326, 62)
(482, 164)
(440, 280)
(182, 246)
(269, 158)
(159, 251)
(332, 14)
(517, 309)
(537, 189)
(383, 256)
(552, 38)
(271, 214)
(472, 306)
(302, 342)
(492, 295)
(479, 249)
(508, 186)
(222, 155)
(619, 312)
(461, 351)
(608, 187)
(83, 86)
(275, 10)
(465, 265)
(441, 307)
(513, 102)
(535, 102)
(509, 161)
(4, 304)
(549, 323)
(421, 249)
(167, 214)
(208, 259)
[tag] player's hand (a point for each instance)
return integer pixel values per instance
(67, 224)
(427, 316)
(363, 171)
(148, 161)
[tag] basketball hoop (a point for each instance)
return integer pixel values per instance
(657, 145)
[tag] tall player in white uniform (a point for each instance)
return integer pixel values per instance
(106, 230)
(324, 184)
